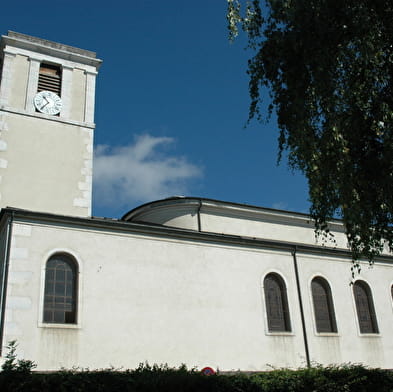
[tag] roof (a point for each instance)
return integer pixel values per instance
(9, 215)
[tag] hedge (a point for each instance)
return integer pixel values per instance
(164, 379)
(18, 375)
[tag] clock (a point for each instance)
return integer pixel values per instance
(48, 102)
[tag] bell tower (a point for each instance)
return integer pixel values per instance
(47, 93)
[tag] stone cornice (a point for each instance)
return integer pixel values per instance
(38, 45)
(118, 226)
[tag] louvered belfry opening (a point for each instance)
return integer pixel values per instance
(49, 78)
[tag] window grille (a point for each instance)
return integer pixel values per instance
(49, 78)
(365, 308)
(60, 290)
(325, 319)
(276, 304)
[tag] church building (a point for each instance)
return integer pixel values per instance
(183, 280)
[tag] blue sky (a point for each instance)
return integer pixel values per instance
(171, 103)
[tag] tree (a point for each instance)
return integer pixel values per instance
(329, 66)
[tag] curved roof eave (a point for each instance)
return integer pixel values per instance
(132, 215)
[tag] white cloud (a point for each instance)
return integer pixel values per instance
(139, 172)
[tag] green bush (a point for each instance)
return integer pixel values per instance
(162, 378)
(348, 378)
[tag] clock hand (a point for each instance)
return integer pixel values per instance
(47, 102)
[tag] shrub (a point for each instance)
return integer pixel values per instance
(17, 376)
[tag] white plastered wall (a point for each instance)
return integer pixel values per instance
(47, 165)
(150, 299)
(162, 300)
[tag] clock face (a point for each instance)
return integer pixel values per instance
(47, 102)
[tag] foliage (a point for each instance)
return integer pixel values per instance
(15, 373)
(325, 379)
(164, 379)
(329, 66)
(11, 364)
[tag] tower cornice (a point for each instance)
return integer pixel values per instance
(50, 48)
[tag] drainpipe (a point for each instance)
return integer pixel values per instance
(301, 308)
(199, 215)
(5, 278)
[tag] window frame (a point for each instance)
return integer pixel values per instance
(286, 317)
(370, 308)
(330, 309)
(77, 288)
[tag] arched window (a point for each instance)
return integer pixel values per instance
(276, 304)
(325, 319)
(60, 296)
(365, 307)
